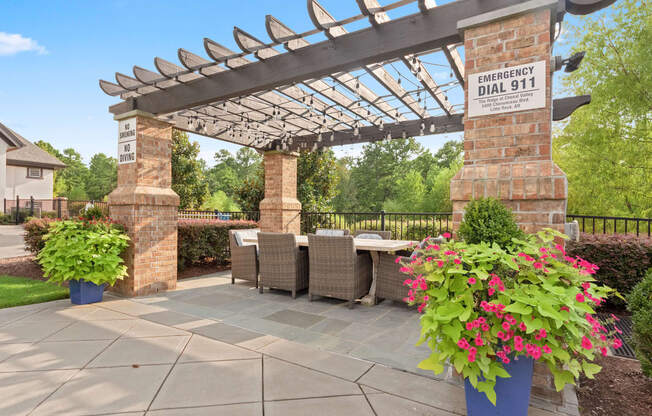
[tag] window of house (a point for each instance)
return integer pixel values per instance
(34, 173)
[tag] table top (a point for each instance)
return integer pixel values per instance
(360, 243)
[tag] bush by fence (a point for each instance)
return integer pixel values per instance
(199, 240)
(35, 229)
(623, 259)
(640, 304)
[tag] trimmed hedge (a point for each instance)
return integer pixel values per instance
(35, 229)
(640, 304)
(199, 240)
(487, 220)
(623, 259)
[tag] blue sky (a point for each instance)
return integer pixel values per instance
(52, 54)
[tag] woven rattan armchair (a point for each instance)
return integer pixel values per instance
(244, 260)
(326, 231)
(336, 270)
(385, 235)
(282, 264)
(389, 280)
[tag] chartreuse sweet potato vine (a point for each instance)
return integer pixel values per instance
(481, 303)
(81, 249)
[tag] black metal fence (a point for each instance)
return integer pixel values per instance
(612, 225)
(18, 209)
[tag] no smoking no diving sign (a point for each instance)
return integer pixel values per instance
(127, 141)
(516, 88)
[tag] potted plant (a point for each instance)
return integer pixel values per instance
(491, 312)
(87, 254)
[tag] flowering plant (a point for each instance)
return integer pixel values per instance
(483, 305)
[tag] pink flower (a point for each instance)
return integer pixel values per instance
(546, 349)
(505, 326)
(449, 253)
(398, 260)
(586, 343)
(586, 285)
(579, 297)
(471, 357)
(435, 247)
(407, 282)
(564, 308)
(491, 291)
(478, 341)
(446, 235)
(421, 307)
(440, 263)
(615, 318)
(463, 343)
(457, 261)
(522, 326)
(603, 350)
(469, 326)
(617, 343)
(485, 327)
(543, 333)
(507, 349)
(538, 265)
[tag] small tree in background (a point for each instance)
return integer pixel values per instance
(640, 304)
(188, 179)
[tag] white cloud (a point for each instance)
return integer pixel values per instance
(13, 43)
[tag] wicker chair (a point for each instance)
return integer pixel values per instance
(244, 260)
(282, 264)
(385, 235)
(389, 281)
(328, 231)
(336, 270)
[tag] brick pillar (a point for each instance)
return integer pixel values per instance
(146, 204)
(508, 155)
(280, 211)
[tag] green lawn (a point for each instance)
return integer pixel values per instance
(16, 291)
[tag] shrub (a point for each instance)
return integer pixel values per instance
(49, 214)
(640, 304)
(92, 213)
(6, 219)
(199, 240)
(542, 307)
(622, 259)
(89, 250)
(488, 220)
(35, 229)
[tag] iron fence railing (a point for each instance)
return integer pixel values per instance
(612, 225)
(18, 209)
(190, 214)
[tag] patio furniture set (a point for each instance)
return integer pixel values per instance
(329, 263)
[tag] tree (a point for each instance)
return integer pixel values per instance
(69, 182)
(221, 202)
(345, 194)
(605, 148)
(438, 186)
(449, 154)
(102, 176)
(409, 194)
(187, 174)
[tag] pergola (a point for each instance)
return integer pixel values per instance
(286, 95)
(310, 96)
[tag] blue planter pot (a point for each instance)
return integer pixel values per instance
(512, 394)
(83, 292)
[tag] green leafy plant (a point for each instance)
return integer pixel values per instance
(488, 220)
(541, 305)
(92, 213)
(640, 304)
(89, 250)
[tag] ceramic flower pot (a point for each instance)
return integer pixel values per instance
(512, 394)
(83, 292)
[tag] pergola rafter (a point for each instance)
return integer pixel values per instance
(296, 99)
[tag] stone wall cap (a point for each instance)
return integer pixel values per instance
(500, 14)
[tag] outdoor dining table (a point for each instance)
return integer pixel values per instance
(374, 247)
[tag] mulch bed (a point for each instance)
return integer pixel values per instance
(619, 389)
(26, 266)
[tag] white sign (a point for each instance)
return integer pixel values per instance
(127, 141)
(516, 88)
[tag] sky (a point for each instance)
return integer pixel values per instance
(52, 54)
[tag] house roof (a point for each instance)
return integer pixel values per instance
(22, 152)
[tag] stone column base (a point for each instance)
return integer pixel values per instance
(280, 215)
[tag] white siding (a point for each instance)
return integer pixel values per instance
(18, 184)
(3, 170)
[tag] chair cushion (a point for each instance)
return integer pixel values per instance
(332, 233)
(240, 235)
(370, 236)
(416, 253)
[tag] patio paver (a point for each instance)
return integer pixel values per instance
(141, 351)
(54, 356)
(242, 409)
(205, 349)
(21, 392)
(332, 406)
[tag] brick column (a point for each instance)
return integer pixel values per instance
(146, 204)
(508, 155)
(280, 211)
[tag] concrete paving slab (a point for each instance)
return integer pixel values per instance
(334, 364)
(141, 351)
(169, 318)
(105, 390)
(330, 326)
(12, 241)
(146, 329)
(93, 330)
(434, 393)
(258, 343)
(7, 350)
(54, 356)
(388, 405)
(205, 349)
(284, 381)
(9, 315)
(130, 307)
(243, 409)
(226, 333)
(21, 392)
(211, 383)
(331, 406)
(294, 318)
(29, 331)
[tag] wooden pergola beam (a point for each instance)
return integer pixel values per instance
(411, 34)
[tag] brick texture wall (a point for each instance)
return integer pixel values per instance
(280, 210)
(147, 206)
(508, 156)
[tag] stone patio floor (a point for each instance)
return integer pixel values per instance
(212, 348)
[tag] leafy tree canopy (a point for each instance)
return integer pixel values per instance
(187, 171)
